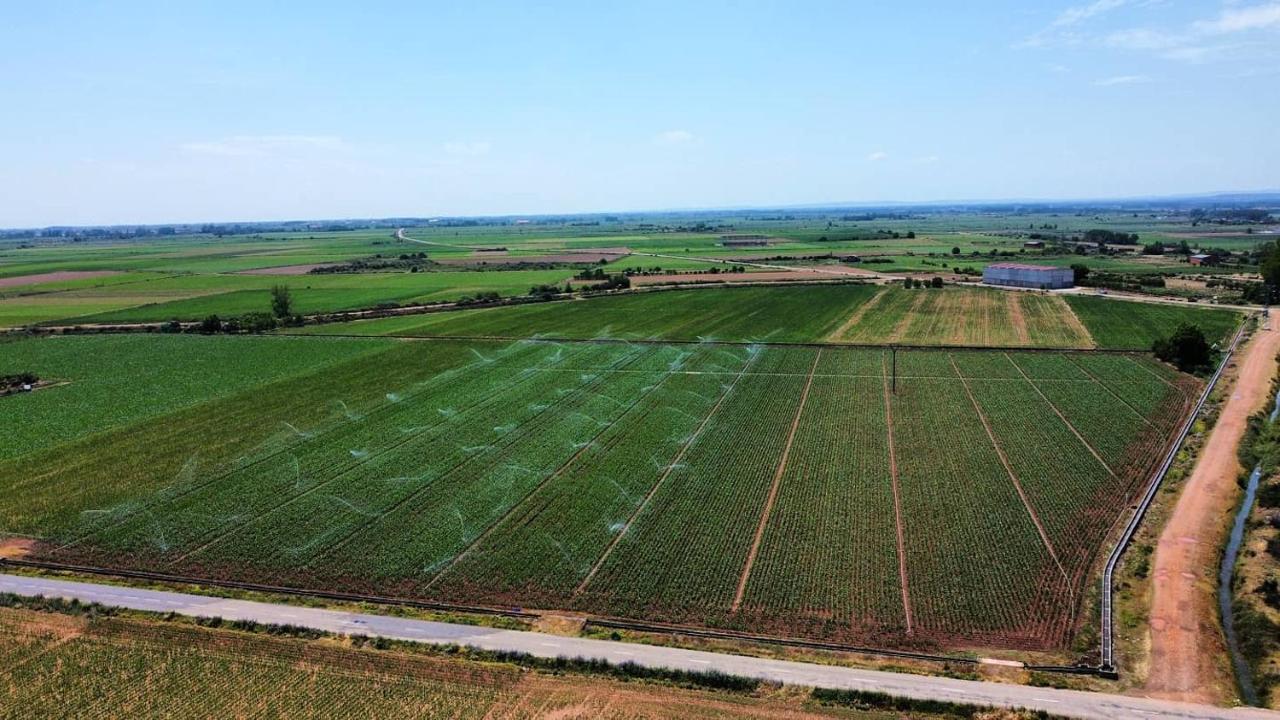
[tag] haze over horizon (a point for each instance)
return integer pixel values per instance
(140, 112)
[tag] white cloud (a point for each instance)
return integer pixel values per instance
(674, 137)
(1199, 41)
(471, 148)
(1061, 31)
(1257, 17)
(1122, 80)
(1080, 13)
(264, 145)
(927, 160)
(1143, 39)
(877, 156)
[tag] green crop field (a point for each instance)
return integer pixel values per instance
(1137, 325)
(780, 488)
(860, 314)
(164, 276)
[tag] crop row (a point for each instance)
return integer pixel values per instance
(741, 486)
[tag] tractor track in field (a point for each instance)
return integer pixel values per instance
(514, 438)
(1013, 477)
(897, 499)
(773, 488)
(495, 393)
(1062, 417)
(432, 385)
(1109, 391)
(693, 437)
(561, 470)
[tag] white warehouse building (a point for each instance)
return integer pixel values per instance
(1039, 277)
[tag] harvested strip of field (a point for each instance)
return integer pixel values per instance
(60, 276)
(964, 316)
(637, 480)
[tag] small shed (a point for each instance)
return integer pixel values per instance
(1203, 259)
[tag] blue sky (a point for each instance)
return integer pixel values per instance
(123, 112)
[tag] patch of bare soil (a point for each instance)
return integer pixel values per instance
(287, 269)
(16, 547)
(561, 624)
(59, 276)
(1188, 655)
(1185, 283)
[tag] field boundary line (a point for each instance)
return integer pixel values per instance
(496, 392)
(564, 467)
(767, 510)
(1004, 460)
(1062, 417)
(266, 588)
(876, 376)
(511, 612)
(663, 478)
(897, 498)
(303, 337)
(1111, 392)
(857, 315)
(514, 437)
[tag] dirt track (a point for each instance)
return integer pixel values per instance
(1188, 657)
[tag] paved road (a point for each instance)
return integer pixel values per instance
(1062, 702)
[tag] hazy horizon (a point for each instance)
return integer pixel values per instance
(143, 113)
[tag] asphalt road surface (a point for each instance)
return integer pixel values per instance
(1060, 702)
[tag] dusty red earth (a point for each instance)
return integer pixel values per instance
(61, 275)
(1187, 649)
(16, 547)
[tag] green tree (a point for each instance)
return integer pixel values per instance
(281, 301)
(1269, 268)
(1186, 348)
